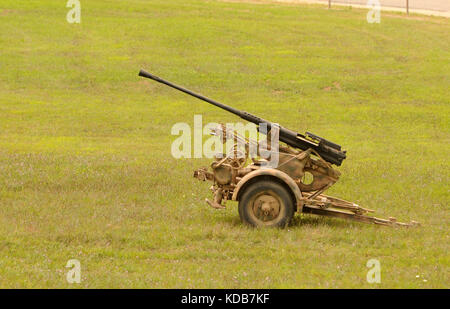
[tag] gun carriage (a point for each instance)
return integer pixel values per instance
(270, 195)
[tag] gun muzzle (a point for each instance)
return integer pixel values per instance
(148, 75)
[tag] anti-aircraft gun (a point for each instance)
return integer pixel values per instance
(268, 194)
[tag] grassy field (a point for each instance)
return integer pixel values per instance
(85, 165)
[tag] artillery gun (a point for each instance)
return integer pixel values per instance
(270, 195)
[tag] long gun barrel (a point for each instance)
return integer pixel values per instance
(329, 151)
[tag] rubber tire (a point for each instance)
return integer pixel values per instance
(286, 208)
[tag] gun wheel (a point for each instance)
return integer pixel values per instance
(266, 204)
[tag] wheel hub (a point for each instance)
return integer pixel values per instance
(266, 207)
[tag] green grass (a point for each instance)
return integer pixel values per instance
(85, 165)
